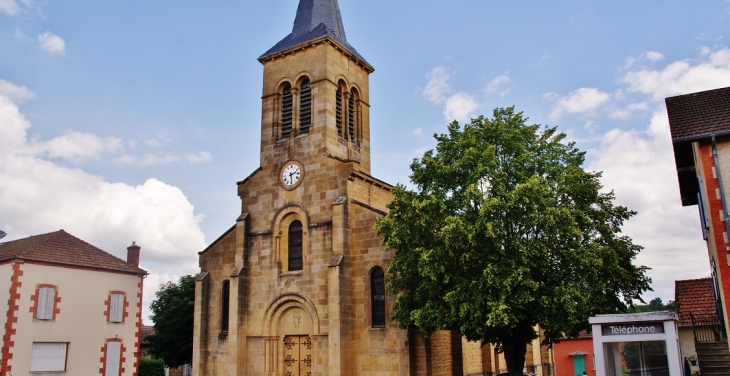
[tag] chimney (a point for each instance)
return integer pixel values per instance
(133, 254)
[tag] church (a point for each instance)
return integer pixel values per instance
(297, 285)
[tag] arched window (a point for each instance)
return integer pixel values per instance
(225, 299)
(377, 297)
(351, 115)
(305, 106)
(286, 111)
(295, 246)
(338, 110)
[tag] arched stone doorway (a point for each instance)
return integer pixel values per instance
(291, 322)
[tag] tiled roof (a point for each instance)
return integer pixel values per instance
(695, 296)
(144, 331)
(315, 19)
(699, 114)
(62, 248)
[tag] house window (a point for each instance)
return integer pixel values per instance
(377, 297)
(351, 115)
(225, 299)
(305, 106)
(113, 357)
(116, 306)
(48, 356)
(45, 303)
(338, 111)
(295, 246)
(286, 111)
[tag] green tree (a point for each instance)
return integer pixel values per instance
(504, 231)
(172, 315)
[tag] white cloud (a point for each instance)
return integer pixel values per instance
(417, 131)
(203, 156)
(582, 100)
(494, 84)
(457, 106)
(39, 196)
(78, 145)
(9, 7)
(148, 159)
(681, 77)
(624, 113)
(654, 56)
(17, 94)
(158, 141)
(639, 167)
(52, 43)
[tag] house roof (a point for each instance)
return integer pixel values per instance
(694, 296)
(315, 19)
(62, 248)
(694, 117)
(699, 115)
(144, 331)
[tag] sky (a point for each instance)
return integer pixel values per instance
(133, 121)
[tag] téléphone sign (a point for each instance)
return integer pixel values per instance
(632, 329)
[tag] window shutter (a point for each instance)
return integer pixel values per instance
(44, 308)
(113, 354)
(351, 116)
(305, 107)
(338, 111)
(295, 246)
(48, 357)
(286, 111)
(116, 307)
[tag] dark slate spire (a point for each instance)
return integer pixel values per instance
(315, 19)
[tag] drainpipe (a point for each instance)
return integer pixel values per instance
(722, 190)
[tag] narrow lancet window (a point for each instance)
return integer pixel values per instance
(351, 116)
(286, 111)
(377, 297)
(305, 107)
(295, 246)
(338, 110)
(225, 298)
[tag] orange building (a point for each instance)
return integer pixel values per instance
(573, 356)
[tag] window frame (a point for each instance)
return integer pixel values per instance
(287, 110)
(45, 307)
(296, 240)
(116, 308)
(225, 305)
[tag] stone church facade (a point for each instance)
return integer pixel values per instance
(296, 285)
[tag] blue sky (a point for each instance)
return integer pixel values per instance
(133, 121)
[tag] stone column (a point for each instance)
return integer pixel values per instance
(200, 325)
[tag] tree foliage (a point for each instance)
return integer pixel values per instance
(654, 305)
(151, 367)
(172, 315)
(504, 231)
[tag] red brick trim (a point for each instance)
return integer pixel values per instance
(717, 225)
(11, 319)
(56, 300)
(108, 302)
(122, 359)
(137, 339)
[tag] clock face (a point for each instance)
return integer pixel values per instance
(291, 174)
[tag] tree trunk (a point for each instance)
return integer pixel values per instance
(515, 349)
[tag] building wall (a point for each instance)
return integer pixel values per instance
(564, 361)
(81, 319)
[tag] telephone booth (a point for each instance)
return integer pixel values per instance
(641, 344)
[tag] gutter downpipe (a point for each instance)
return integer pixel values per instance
(722, 190)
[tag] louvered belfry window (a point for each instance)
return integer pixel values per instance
(305, 107)
(377, 300)
(286, 111)
(351, 116)
(338, 110)
(225, 298)
(295, 246)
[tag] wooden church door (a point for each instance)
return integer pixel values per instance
(297, 356)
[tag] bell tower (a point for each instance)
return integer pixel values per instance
(315, 93)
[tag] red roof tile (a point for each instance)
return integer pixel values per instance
(699, 115)
(146, 330)
(63, 248)
(694, 296)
